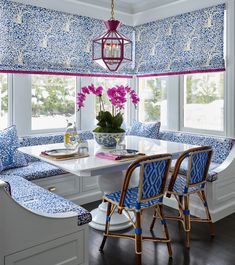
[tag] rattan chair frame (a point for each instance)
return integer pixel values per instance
(183, 199)
(137, 236)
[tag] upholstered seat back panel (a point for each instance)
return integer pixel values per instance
(221, 146)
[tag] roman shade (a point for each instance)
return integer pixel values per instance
(189, 43)
(39, 40)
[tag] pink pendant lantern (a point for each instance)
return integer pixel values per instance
(112, 48)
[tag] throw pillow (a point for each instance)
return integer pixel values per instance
(150, 130)
(10, 157)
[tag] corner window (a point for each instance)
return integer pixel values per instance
(153, 99)
(53, 101)
(3, 101)
(204, 101)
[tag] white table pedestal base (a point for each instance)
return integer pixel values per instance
(118, 221)
(110, 183)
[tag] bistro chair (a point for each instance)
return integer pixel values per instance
(149, 193)
(193, 182)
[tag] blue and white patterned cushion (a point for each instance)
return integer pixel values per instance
(221, 146)
(49, 139)
(39, 200)
(85, 135)
(180, 185)
(212, 175)
(35, 170)
(131, 199)
(150, 130)
(9, 155)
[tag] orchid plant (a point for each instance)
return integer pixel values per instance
(109, 122)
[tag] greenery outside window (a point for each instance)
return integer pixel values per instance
(53, 101)
(204, 101)
(153, 99)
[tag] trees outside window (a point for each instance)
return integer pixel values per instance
(153, 99)
(3, 101)
(53, 101)
(204, 101)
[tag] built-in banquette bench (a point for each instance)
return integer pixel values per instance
(38, 226)
(78, 190)
(221, 178)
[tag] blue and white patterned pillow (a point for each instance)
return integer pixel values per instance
(10, 157)
(150, 130)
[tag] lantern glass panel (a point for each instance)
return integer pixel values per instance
(128, 51)
(112, 48)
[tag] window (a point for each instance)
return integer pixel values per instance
(204, 101)
(153, 99)
(3, 101)
(53, 101)
(108, 83)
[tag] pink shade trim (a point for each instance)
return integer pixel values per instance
(61, 73)
(183, 72)
(110, 75)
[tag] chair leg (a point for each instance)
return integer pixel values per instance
(212, 227)
(138, 238)
(166, 232)
(186, 213)
(154, 220)
(106, 227)
(180, 205)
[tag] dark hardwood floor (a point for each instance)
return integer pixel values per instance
(203, 251)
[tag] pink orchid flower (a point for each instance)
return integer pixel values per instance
(85, 90)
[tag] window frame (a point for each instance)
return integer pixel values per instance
(10, 97)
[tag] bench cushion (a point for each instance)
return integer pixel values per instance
(221, 146)
(35, 170)
(39, 200)
(10, 157)
(212, 175)
(150, 130)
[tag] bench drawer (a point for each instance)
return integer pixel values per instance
(68, 250)
(62, 185)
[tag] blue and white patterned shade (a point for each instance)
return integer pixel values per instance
(39, 39)
(35, 39)
(186, 43)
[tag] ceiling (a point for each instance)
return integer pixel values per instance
(128, 6)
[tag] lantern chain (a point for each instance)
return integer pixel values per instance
(112, 10)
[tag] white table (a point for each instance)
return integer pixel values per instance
(110, 172)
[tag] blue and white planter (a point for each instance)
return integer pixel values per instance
(108, 140)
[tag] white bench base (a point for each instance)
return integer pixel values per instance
(220, 194)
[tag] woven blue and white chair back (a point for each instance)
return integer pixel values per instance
(153, 175)
(198, 165)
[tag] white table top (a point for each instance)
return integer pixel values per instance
(92, 165)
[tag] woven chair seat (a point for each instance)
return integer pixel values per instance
(131, 201)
